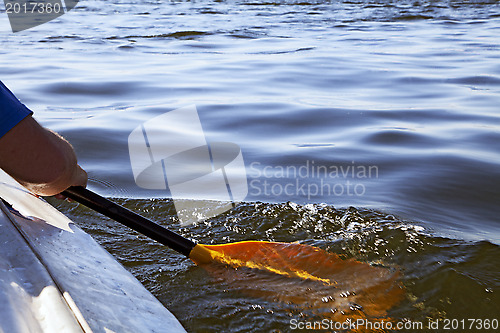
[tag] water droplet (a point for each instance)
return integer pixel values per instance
(355, 307)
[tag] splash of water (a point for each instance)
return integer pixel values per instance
(308, 277)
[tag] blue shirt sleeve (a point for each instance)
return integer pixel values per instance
(12, 111)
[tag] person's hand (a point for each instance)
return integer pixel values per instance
(79, 178)
(39, 159)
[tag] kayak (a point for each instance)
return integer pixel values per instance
(55, 278)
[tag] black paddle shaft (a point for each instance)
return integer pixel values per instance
(130, 219)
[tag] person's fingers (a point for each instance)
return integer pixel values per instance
(80, 177)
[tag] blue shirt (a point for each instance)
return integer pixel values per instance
(11, 110)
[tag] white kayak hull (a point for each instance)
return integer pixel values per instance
(55, 278)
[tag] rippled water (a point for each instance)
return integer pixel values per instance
(403, 93)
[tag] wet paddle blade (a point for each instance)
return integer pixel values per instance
(303, 275)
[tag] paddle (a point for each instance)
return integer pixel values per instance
(318, 278)
(130, 219)
(235, 254)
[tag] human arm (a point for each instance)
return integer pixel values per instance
(39, 159)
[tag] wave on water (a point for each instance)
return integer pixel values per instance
(410, 87)
(442, 277)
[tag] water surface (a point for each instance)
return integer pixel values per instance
(406, 89)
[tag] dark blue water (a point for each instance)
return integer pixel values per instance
(390, 106)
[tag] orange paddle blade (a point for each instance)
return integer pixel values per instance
(288, 259)
(305, 275)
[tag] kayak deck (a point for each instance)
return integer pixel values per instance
(54, 277)
(29, 298)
